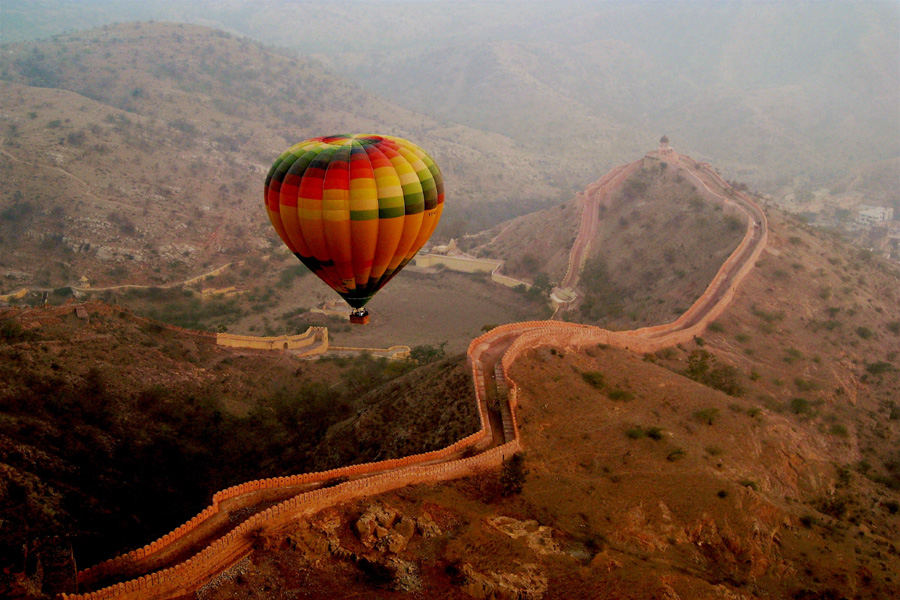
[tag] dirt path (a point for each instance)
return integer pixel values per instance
(84, 184)
(127, 286)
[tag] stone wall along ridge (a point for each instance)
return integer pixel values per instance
(373, 478)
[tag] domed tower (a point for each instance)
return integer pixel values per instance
(665, 152)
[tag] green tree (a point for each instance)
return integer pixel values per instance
(427, 354)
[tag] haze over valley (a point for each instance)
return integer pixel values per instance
(652, 349)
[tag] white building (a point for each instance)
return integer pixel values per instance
(873, 215)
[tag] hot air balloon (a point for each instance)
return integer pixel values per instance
(354, 209)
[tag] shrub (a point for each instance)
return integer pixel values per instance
(768, 317)
(792, 355)
(593, 379)
(621, 395)
(838, 430)
(655, 433)
(714, 450)
(676, 454)
(512, 475)
(805, 385)
(864, 332)
(808, 521)
(635, 433)
(666, 353)
(12, 331)
(800, 406)
(879, 368)
(427, 354)
(707, 415)
(702, 368)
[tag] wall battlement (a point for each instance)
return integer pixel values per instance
(306, 341)
(374, 478)
(467, 264)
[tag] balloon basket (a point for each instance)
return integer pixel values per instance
(359, 319)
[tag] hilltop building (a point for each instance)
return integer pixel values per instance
(664, 152)
(450, 249)
(872, 216)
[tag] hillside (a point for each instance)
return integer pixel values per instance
(113, 429)
(135, 153)
(641, 483)
(660, 240)
(770, 92)
(538, 242)
(768, 446)
(746, 85)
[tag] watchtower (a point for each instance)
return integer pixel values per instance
(665, 150)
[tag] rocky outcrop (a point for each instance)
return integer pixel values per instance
(539, 538)
(527, 582)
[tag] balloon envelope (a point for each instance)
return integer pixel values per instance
(354, 208)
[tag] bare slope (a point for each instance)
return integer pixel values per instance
(642, 483)
(133, 149)
(114, 431)
(535, 243)
(659, 242)
(675, 490)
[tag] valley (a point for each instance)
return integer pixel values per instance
(664, 383)
(484, 357)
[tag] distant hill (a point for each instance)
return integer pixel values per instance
(132, 151)
(658, 245)
(767, 91)
(763, 90)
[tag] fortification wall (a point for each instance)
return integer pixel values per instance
(591, 200)
(470, 265)
(374, 478)
(394, 352)
(186, 577)
(253, 492)
(250, 493)
(458, 263)
(14, 295)
(306, 340)
(506, 280)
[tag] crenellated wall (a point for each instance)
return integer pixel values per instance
(192, 573)
(467, 264)
(439, 465)
(306, 340)
(395, 352)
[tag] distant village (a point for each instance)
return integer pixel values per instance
(870, 226)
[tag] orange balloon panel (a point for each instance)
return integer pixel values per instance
(355, 208)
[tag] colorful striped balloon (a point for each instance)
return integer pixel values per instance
(354, 208)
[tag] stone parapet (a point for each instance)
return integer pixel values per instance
(373, 478)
